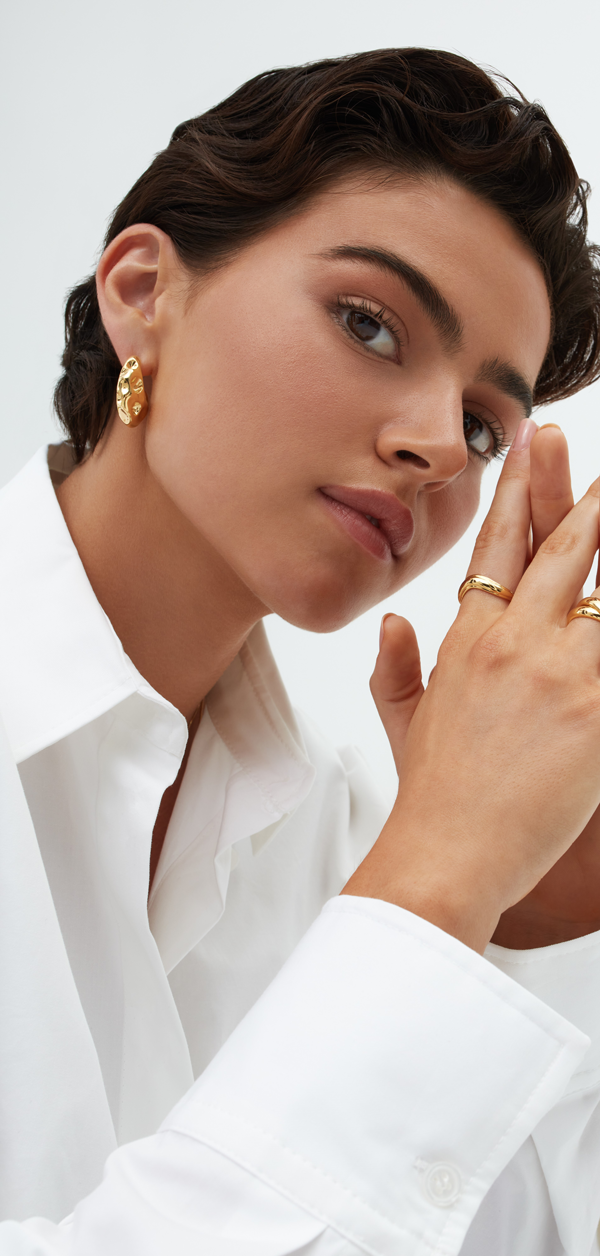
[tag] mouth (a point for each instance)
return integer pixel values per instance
(378, 521)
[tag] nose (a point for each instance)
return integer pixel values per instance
(427, 436)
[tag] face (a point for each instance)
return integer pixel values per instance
(324, 406)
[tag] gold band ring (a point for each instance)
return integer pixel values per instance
(485, 585)
(588, 608)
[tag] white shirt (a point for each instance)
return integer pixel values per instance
(366, 1083)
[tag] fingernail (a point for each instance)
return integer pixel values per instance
(544, 425)
(525, 433)
(382, 628)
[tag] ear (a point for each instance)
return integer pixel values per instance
(135, 274)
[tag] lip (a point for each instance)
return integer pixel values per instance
(351, 506)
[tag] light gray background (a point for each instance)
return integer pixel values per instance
(90, 91)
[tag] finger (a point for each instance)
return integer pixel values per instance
(560, 568)
(598, 567)
(550, 482)
(501, 547)
(396, 683)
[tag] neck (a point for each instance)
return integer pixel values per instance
(179, 610)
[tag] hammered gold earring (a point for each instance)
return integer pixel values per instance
(132, 402)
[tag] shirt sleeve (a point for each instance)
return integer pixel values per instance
(566, 1143)
(366, 1104)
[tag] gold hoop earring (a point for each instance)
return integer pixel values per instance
(132, 402)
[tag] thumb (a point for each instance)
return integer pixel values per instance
(396, 683)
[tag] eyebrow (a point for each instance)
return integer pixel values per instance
(444, 317)
(504, 377)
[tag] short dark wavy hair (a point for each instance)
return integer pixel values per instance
(288, 134)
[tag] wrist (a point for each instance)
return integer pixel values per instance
(437, 884)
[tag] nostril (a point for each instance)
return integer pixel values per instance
(407, 456)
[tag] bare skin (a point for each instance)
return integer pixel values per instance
(565, 903)
(514, 771)
(209, 515)
(213, 513)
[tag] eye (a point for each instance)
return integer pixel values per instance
(479, 437)
(370, 331)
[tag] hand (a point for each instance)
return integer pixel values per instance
(565, 903)
(500, 765)
(397, 684)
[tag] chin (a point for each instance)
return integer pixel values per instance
(319, 621)
(324, 606)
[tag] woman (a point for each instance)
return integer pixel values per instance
(324, 308)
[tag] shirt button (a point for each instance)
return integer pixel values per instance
(442, 1184)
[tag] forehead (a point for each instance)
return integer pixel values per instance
(434, 213)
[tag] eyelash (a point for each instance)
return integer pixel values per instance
(500, 443)
(381, 315)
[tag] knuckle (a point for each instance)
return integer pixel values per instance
(545, 497)
(580, 710)
(495, 650)
(454, 642)
(494, 529)
(559, 544)
(514, 471)
(544, 675)
(586, 708)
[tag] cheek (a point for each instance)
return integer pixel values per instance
(240, 435)
(260, 407)
(448, 514)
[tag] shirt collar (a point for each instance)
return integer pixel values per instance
(62, 664)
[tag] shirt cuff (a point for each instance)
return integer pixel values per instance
(566, 977)
(384, 1079)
